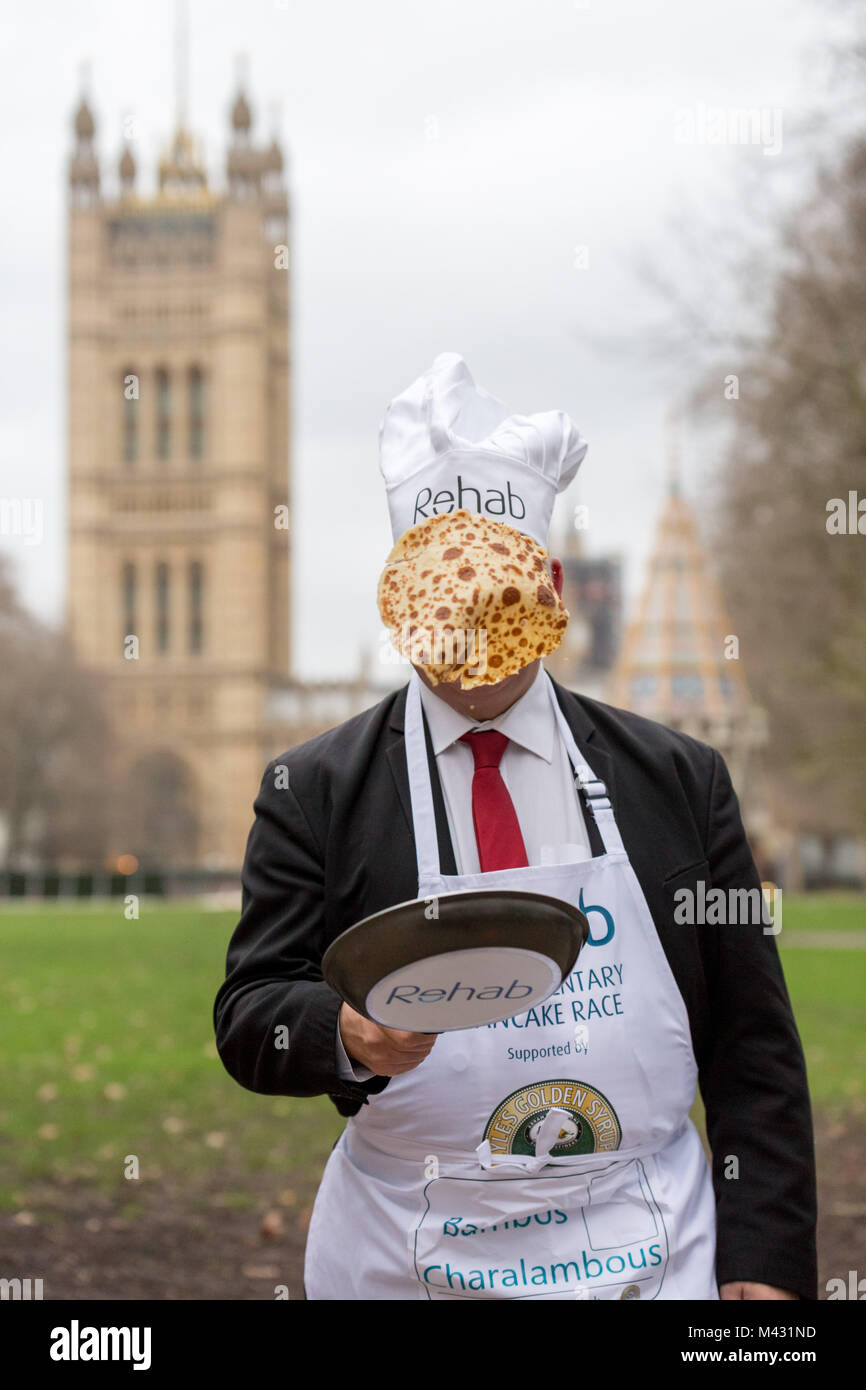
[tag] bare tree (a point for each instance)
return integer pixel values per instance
(769, 293)
(797, 592)
(55, 790)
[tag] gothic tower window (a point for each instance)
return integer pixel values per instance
(196, 413)
(196, 605)
(162, 606)
(130, 416)
(129, 600)
(163, 414)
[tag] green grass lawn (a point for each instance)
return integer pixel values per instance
(828, 994)
(823, 912)
(106, 1048)
(827, 990)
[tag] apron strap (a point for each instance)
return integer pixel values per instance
(420, 788)
(592, 791)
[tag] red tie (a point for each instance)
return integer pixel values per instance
(497, 831)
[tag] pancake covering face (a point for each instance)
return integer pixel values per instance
(470, 598)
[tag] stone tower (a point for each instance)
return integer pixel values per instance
(679, 662)
(178, 400)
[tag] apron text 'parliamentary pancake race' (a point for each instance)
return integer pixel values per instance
(547, 1156)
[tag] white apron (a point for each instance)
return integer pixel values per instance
(549, 1156)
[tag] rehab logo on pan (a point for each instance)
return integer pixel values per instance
(592, 1127)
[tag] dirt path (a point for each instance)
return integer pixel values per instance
(188, 1244)
(827, 940)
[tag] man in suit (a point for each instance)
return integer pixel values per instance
(333, 842)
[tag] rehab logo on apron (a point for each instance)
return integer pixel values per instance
(589, 1123)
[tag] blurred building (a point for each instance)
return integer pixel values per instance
(592, 593)
(680, 662)
(179, 484)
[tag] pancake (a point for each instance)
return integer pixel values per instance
(470, 598)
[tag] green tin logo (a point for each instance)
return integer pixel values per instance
(591, 1124)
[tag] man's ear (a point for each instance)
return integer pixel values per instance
(556, 571)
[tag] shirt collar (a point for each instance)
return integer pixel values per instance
(529, 721)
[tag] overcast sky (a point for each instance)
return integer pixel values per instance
(447, 160)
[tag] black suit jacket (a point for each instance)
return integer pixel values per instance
(332, 842)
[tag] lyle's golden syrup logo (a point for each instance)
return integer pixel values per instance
(591, 1125)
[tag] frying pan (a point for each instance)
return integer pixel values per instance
(460, 960)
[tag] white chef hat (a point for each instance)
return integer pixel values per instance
(445, 443)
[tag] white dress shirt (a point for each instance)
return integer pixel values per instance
(535, 768)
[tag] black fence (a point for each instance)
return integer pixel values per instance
(45, 884)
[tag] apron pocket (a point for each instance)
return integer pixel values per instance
(594, 1236)
(688, 879)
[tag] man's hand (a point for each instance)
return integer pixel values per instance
(741, 1290)
(386, 1051)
